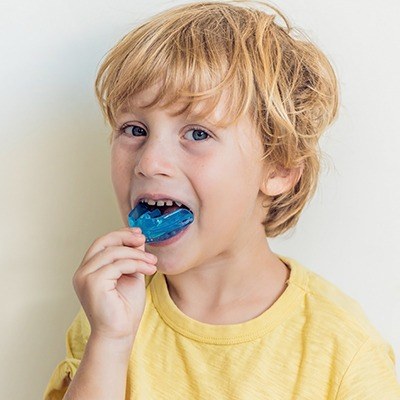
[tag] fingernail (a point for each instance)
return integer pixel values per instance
(136, 230)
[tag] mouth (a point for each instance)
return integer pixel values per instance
(160, 221)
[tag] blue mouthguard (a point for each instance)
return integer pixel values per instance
(156, 226)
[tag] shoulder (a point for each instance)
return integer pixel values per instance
(327, 304)
(76, 338)
(337, 322)
(77, 335)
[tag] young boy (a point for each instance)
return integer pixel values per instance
(216, 106)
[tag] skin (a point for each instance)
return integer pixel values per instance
(222, 270)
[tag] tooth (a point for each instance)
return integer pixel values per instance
(161, 202)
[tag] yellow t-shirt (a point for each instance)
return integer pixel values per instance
(313, 343)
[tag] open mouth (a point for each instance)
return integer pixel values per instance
(160, 222)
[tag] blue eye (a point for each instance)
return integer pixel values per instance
(135, 130)
(199, 133)
(132, 130)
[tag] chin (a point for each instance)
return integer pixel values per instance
(170, 267)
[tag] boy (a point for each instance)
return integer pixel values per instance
(216, 107)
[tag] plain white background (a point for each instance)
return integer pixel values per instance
(56, 194)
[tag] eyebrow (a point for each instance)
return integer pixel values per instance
(125, 109)
(186, 115)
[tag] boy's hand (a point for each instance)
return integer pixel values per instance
(110, 284)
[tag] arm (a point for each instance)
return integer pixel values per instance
(111, 285)
(102, 370)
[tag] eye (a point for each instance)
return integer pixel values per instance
(135, 130)
(132, 130)
(199, 134)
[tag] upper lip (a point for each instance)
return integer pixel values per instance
(159, 196)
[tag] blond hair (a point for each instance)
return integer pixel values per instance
(285, 83)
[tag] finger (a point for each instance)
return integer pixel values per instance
(115, 253)
(115, 270)
(122, 237)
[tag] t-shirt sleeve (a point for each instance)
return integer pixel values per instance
(76, 338)
(371, 374)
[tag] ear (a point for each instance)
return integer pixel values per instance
(278, 180)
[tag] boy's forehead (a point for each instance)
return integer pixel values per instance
(139, 100)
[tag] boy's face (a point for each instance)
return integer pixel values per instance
(218, 176)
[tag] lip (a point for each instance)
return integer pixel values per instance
(159, 196)
(170, 240)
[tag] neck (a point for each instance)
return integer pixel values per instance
(238, 286)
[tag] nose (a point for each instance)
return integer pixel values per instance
(154, 158)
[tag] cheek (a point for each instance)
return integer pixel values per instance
(226, 189)
(234, 188)
(115, 166)
(119, 172)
